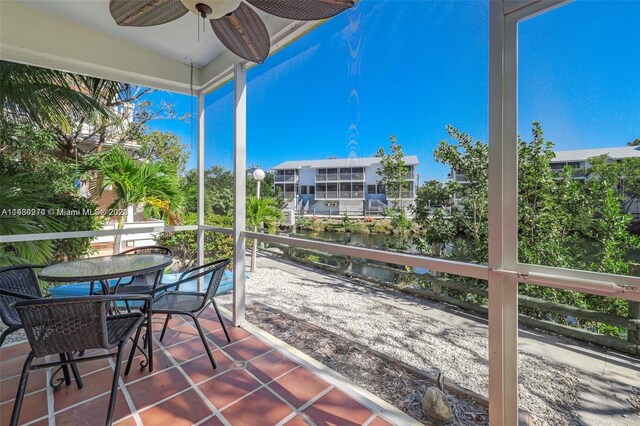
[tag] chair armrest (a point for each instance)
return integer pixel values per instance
(186, 293)
(19, 295)
(166, 286)
(108, 298)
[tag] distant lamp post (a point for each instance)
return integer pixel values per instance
(258, 175)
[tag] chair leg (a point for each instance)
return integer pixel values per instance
(204, 340)
(150, 340)
(74, 370)
(224, 328)
(15, 415)
(133, 351)
(114, 385)
(65, 369)
(164, 327)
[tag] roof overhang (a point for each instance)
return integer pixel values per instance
(81, 37)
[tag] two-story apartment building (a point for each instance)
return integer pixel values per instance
(336, 186)
(578, 160)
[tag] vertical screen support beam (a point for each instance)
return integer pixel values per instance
(239, 200)
(200, 208)
(503, 217)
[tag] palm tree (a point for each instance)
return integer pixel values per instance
(262, 212)
(154, 186)
(19, 193)
(53, 98)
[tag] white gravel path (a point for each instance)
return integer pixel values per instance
(548, 390)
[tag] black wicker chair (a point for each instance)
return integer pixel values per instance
(16, 283)
(142, 284)
(19, 283)
(191, 303)
(67, 325)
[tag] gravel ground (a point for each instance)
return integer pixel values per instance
(13, 337)
(400, 386)
(548, 390)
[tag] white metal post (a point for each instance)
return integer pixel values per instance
(240, 179)
(200, 232)
(503, 200)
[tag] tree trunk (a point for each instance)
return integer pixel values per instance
(117, 240)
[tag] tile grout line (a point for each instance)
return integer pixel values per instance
(370, 419)
(194, 386)
(311, 401)
(51, 409)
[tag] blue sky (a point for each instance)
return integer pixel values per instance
(409, 68)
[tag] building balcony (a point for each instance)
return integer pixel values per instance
(280, 179)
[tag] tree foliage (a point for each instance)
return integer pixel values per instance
(263, 212)
(32, 176)
(393, 175)
(562, 221)
(153, 186)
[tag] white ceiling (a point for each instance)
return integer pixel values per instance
(179, 40)
(81, 36)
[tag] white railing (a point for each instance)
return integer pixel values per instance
(621, 286)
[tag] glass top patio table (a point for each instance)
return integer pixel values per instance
(104, 267)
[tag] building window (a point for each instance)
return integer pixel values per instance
(371, 189)
(303, 190)
(312, 190)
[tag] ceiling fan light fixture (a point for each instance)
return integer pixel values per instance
(211, 9)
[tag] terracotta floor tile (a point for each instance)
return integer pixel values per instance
(248, 349)
(34, 406)
(92, 366)
(297, 421)
(337, 408)
(94, 384)
(160, 362)
(270, 365)
(178, 334)
(130, 421)
(379, 421)
(259, 408)
(16, 350)
(159, 386)
(9, 387)
(200, 369)
(184, 409)
(299, 386)
(189, 350)
(11, 367)
(228, 387)
(236, 334)
(93, 412)
(210, 325)
(213, 421)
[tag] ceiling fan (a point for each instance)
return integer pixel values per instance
(235, 23)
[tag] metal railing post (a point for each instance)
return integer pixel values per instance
(239, 201)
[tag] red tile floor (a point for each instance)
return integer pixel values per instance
(254, 384)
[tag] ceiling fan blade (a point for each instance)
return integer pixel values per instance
(145, 13)
(303, 10)
(244, 33)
